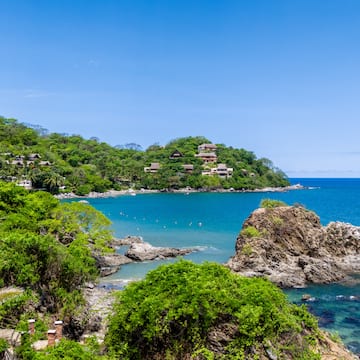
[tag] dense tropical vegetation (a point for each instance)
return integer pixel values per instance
(59, 162)
(47, 253)
(189, 311)
(183, 310)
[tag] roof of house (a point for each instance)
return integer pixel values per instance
(155, 166)
(207, 146)
(176, 154)
(45, 163)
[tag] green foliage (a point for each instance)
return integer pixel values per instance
(13, 308)
(250, 232)
(70, 350)
(277, 221)
(41, 325)
(84, 165)
(48, 246)
(3, 346)
(334, 336)
(270, 203)
(25, 351)
(247, 250)
(170, 313)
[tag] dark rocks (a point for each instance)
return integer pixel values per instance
(354, 346)
(74, 327)
(352, 321)
(289, 245)
(110, 263)
(326, 318)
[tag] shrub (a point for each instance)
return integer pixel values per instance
(270, 203)
(4, 345)
(247, 250)
(83, 190)
(178, 308)
(69, 350)
(250, 232)
(12, 308)
(277, 221)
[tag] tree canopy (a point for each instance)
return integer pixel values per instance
(59, 162)
(48, 246)
(184, 310)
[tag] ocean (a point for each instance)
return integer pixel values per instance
(212, 221)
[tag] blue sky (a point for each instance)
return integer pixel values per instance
(280, 78)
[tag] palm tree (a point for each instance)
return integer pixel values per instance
(53, 181)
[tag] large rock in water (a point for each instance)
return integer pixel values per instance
(289, 246)
(144, 251)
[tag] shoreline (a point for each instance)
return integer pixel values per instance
(132, 192)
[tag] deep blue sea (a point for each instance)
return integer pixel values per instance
(211, 222)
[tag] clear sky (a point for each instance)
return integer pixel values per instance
(280, 78)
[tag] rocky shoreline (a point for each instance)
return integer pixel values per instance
(132, 192)
(138, 251)
(291, 248)
(100, 297)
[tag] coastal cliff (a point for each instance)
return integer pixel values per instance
(289, 246)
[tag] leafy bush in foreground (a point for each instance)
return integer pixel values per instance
(184, 310)
(47, 247)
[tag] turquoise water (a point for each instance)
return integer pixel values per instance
(211, 222)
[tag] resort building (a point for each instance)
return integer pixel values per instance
(189, 168)
(44, 163)
(33, 157)
(176, 155)
(153, 168)
(26, 184)
(18, 163)
(221, 170)
(207, 157)
(207, 147)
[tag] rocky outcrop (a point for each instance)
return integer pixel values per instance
(110, 263)
(289, 246)
(138, 251)
(145, 252)
(128, 240)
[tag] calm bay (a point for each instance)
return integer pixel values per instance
(211, 222)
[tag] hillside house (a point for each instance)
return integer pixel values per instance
(188, 168)
(17, 162)
(221, 170)
(44, 163)
(207, 148)
(207, 157)
(33, 157)
(153, 168)
(26, 184)
(176, 155)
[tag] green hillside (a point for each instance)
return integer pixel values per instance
(35, 158)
